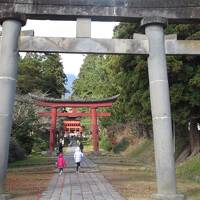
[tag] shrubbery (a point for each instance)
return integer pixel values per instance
(105, 143)
(40, 144)
(15, 151)
(121, 146)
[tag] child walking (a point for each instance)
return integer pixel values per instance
(61, 163)
(78, 155)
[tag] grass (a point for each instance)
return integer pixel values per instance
(88, 147)
(142, 152)
(28, 183)
(27, 179)
(136, 180)
(190, 168)
(132, 172)
(133, 182)
(33, 160)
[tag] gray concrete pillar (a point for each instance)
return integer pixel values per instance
(160, 108)
(8, 73)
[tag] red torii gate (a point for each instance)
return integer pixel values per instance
(54, 104)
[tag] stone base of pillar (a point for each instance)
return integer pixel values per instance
(168, 197)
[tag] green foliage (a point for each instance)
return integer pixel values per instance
(127, 75)
(184, 77)
(25, 124)
(26, 129)
(39, 72)
(33, 160)
(15, 152)
(104, 76)
(105, 144)
(181, 143)
(121, 146)
(29, 78)
(93, 80)
(40, 144)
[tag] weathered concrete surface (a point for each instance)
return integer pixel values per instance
(83, 45)
(8, 76)
(104, 10)
(105, 46)
(168, 197)
(160, 109)
(83, 28)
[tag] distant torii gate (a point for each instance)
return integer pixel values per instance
(54, 104)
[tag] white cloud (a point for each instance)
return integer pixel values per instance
(47, 28)
(51, 28)
(72, 63)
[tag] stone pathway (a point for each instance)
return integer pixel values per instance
(87, 185)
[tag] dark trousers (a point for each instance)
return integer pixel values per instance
(78, 164)
(61, 170)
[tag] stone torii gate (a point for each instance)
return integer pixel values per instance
(93, 105)
(153, 14)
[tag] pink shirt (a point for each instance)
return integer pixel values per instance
(60, 161)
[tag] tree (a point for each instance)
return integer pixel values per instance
(41, 72)
(54, 79)
(29, 76)
(103, 76)
(127, 75)
(37, 72)
(184, 80)
(25, 123)
(92, 79)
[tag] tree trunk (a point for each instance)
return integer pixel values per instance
(147, 133)
(184, 154)
(140, 131)
(194, 136)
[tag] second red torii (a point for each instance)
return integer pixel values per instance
(54, 104)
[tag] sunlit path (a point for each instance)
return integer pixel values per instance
(89, 184)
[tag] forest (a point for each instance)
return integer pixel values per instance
(127, 75)
(41, 74)
(105, 76)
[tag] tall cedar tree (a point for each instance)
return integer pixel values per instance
(41, 72)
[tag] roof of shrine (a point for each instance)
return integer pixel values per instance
(73, 101)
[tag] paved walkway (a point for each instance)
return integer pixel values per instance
(89, 184)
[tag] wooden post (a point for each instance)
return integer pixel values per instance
(94, 130)
(53, 128)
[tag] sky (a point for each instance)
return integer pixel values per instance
(71, 62)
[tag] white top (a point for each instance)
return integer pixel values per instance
(78, 155)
